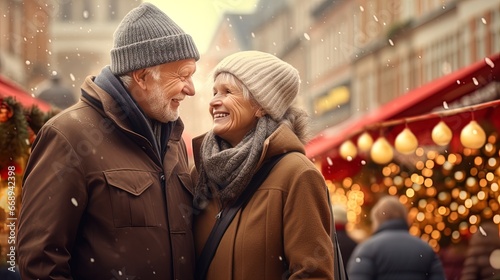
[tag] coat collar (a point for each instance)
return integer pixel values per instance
(99, 99)
(397, 224)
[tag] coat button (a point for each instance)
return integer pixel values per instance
(162, 177)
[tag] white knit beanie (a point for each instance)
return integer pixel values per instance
(147, 37)
(272, 82)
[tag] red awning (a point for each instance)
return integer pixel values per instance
(416, 102)
(8, 88)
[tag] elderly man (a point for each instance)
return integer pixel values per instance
(106, 192)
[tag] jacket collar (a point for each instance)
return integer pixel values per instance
(397, 224)
(282, 140)
(103, 102)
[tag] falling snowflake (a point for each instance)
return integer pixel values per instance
(475, 81)
(489, 62)
(445, 105)
(329, 160)
(119, 275)
(482, 231)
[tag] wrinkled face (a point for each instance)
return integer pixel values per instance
(163, 87)
(233, 114)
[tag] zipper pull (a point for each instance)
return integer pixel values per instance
(218, 215)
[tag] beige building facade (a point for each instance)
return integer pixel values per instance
(356, 55)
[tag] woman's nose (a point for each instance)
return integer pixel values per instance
(215, 102)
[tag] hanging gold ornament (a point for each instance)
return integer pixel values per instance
(473, 136)
(441, 134)
(406, 142)
(381, 151)
(348, 150)
(365, 142)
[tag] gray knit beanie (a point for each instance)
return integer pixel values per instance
(272, 82)
(147, 37)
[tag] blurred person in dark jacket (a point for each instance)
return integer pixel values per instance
(107, 192)
(392, 253)
(58, 95)
(346, 243)
(452, 256)
(482, 260)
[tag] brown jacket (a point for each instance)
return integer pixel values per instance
(286, 222)
(98, 203)
(480, 254)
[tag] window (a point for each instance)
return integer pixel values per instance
(112, 10)
(65, 11)
(87, 11)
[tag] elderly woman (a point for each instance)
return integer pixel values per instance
(283, 229)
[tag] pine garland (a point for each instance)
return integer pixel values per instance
(35, 118)
(14, 135)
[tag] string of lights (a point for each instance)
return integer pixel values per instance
(449, 191)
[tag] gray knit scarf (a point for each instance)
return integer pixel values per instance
(227, 170)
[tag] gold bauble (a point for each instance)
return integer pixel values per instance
(406, 142)
(365, 142)
(473, 136)
(441, 134)
(348, 150)
(381, 151)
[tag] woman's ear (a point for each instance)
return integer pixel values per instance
(260, 113)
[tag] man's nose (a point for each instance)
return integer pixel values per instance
(189, 87)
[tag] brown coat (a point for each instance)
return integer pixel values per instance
(286, 219)
(95, 204)
(480, 254)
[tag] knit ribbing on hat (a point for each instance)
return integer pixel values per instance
(272, 82)
(147, 37)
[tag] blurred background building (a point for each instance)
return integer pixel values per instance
(69, 39)
(367, 63)
(363, 63)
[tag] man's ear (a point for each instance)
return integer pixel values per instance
(139, 76)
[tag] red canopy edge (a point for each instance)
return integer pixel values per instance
(8, 88)
(417, 101)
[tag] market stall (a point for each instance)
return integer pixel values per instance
(436, 148)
